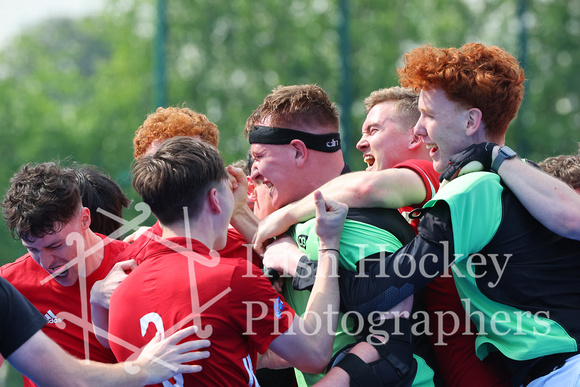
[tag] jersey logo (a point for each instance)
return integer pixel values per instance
(278, 308)
(302, 240)
(51, 318)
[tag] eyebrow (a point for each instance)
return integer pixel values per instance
(426, 110)
(52, 245)
(260, 151)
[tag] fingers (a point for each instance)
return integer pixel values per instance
(129, 238)
(133, 237)
(261, 242)
(130, 264)
(320, 203)
(188, 369)
(232, 183)
(237, 177)
(449, 173)
(193, 356)
(324, 205)
(334, 206)
(279, 285)
(258, 242)
(181, 334)
(472, 166)
(194, 345)
(237, 173)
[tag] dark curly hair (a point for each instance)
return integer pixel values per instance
(475, 75)
(41, 199)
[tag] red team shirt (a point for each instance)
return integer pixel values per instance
(177, 278)
(430, 179)
(51, 299)
(236, 246)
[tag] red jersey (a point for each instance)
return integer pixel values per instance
(236, 246)
(430, 179)
(51, 299)
(178, 282)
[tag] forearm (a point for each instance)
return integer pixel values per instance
(99, 301)
(390, 188)
(45, 363)
(110, 375)
(100, 317)
(312, 335)
(244, 220)
(271, 360)
(321, 314)
(549, 200)
(324, 298)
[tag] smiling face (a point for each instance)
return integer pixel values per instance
(384, 142)
(443, 126)
(275, 166)
(51, 252)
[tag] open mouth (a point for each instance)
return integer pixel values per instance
(55, 270)
(432, 148)
(369, 160)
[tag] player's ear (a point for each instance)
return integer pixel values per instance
(473, 122)
(416, 141)
(85, 218)
(301, 152)
(214, 201)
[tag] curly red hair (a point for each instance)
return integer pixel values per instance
(475, 75)
(170, 122)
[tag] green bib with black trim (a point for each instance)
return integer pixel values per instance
(475, 203)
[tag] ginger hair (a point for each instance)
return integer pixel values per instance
(475, 75)
(170, 122)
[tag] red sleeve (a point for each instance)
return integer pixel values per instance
(259, 310)
(429, 176)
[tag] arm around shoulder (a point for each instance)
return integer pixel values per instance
(549, 200)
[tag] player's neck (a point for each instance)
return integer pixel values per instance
(95, 248)
(197, 230)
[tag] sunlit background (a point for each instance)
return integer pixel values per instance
(77, 77)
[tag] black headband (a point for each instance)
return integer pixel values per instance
(329, 142)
